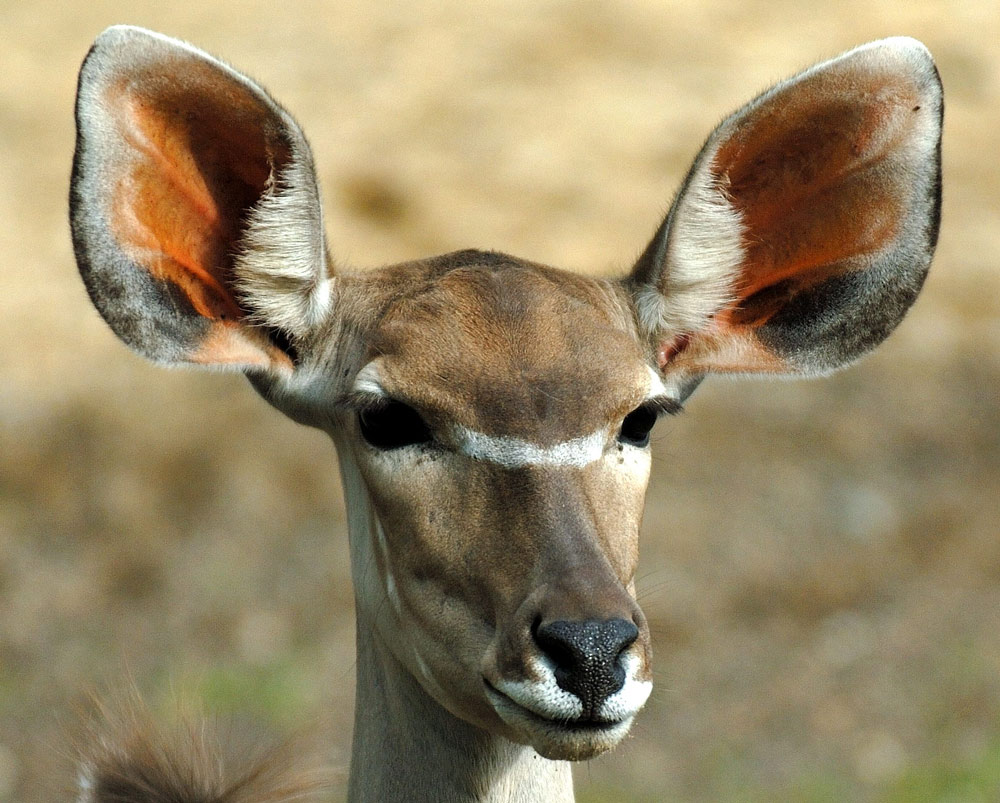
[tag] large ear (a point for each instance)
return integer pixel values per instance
(194, 208)
(806, 225)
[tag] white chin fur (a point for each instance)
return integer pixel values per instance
(543, 714)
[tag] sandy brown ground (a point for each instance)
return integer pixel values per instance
(821, 560)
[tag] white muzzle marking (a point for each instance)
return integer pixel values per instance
(630, 697)
(546, 699)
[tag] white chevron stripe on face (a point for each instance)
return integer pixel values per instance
(510, 452)
(516, 453)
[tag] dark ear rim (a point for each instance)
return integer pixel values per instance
(154, 317)
(838, 320)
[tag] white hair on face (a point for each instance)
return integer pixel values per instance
(544, 697)
(510, 452)
(656, 386)
(369, 381)
(516, 453)
(631, 696)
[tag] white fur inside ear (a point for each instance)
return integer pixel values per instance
(281, 270)
(85, 783)
(699, 258)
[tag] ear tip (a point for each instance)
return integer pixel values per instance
(904, 45)
(122, 29)
(908, 53)
(113, 45)
(130, 42)
(117, 37)
(124, 33)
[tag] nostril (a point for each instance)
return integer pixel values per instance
(565, 653)
(586, 656)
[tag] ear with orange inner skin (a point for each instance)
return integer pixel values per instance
(194, 207)
(806, 225)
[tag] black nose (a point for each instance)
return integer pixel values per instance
(587, 657)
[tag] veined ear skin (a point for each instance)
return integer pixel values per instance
(194, 207)
(799, 239)
(806, 226)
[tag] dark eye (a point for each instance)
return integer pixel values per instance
(392, 426)
(637, 425)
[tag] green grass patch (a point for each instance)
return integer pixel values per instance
(281, 693)
(971, 781)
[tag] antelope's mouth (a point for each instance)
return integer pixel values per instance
(553, 734)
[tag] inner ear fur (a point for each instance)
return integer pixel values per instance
(179, 164)
(806, 225)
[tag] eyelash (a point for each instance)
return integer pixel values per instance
(637, 425)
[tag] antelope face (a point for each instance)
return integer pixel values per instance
(491, 414)
(506, 502)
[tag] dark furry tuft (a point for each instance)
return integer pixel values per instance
(126, 757)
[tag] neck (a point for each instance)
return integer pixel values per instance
(407, 747)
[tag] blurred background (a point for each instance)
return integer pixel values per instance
(821, 560)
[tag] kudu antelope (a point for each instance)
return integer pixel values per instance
(492, 415)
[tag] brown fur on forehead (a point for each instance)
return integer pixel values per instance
(502, 346)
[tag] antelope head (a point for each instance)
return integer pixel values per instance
(492, 415)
